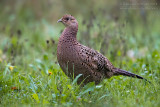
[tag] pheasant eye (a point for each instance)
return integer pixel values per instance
(67, 18)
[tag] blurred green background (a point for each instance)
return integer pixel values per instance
(127, 32)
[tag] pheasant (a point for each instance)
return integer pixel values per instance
(75, 58)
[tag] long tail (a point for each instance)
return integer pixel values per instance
(126, 73)
(118, 71)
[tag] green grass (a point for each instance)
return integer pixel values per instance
(31, 76)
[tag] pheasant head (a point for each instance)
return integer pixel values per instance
(69, 21)
(71, 25)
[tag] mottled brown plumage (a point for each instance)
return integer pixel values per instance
(75, 58)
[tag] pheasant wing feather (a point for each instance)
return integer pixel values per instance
(93, 59)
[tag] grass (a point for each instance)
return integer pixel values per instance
(31, 76)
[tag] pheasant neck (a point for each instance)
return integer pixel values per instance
(70, 32)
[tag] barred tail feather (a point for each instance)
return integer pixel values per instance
(126, 73)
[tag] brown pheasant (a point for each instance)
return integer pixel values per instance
(75, 58)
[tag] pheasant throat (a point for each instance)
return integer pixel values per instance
(70, 31)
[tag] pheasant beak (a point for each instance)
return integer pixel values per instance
(60, 20)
